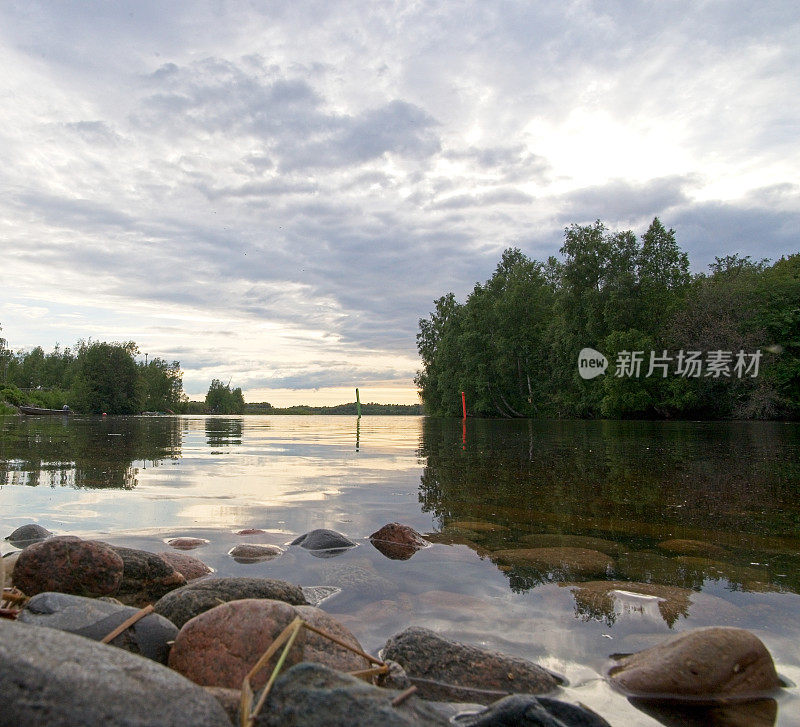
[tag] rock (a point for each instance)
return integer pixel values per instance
(709, 663)
(650, 567)
(597, 599)
(68, 565)
(358, 582)
(557, 563)
(693, 547)
(145, 577)
(254, 552)
(192, 599)
(324, 543)
(398, 542)
(323, 651)
(187, 543)
(525, 710)
(317, 594)
(476, 526)
(9, 561)
(189, 567)
(220, 646)
(450, 671)
(553, 540)
(250, 531)
(228, 699)
(94, 618)
(309, 695)
(52, 678)
(26, 535)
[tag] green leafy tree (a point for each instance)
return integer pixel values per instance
(221, 399)
(107, 379)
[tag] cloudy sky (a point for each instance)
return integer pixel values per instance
(275, 192)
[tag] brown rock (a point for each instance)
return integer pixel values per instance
(219, 647)
(558, 563)
(67, 564)
(476, 526)
(323, 651)
(683, 546)
(189, 567)
(595, 599)
(711, 663)
(254, 552)
(186, 543)
(398, 542)
(146, 577)
(558, 540)
(450, 671)
(250, 531)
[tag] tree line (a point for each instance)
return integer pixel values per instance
(92, 377)
(721, 344)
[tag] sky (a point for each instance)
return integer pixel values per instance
(274, 193)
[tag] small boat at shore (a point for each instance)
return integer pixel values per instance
(34, 410)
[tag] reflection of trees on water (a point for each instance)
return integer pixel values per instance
(638, 483)
(85, 453)
(223, 431)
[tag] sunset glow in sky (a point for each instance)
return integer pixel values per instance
(275, 193)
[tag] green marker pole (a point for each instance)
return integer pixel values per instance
(358, 404)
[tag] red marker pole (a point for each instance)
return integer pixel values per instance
(463, 405)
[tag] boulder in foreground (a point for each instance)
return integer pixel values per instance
(709, 663)
(193, 599)
(447, 670)
(69, 565)
(54, 679)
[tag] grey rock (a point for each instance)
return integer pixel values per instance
(309, 695)
(26, 535)
(254, 552)
(95, 618)
(145, 576)
(56, 679)
(358, 582)
(524, 710)
(197, 597)
(317, 594)
(451, 671)
(324, 543)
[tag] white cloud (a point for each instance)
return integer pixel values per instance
(279, 193)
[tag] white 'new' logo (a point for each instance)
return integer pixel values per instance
(591, 363)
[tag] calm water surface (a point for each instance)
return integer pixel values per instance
(475, 490)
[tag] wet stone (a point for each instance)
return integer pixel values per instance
(145, 577)
(254, 552)
(69, 565)
(693, 547)
(557, 563)
(309, 695)
(187, 543)
(446, 670)
(525, 710)
(56, 679)
(26, 535)
(324, 543)
(95, 618)
(323, 651)
(710, 663)
(189, 567)
(194, 598)
(397, 542)
(557, 540)
(250, 531)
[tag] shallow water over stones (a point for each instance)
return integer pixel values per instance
(689, 525)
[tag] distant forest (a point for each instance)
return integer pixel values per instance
(721, 344)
